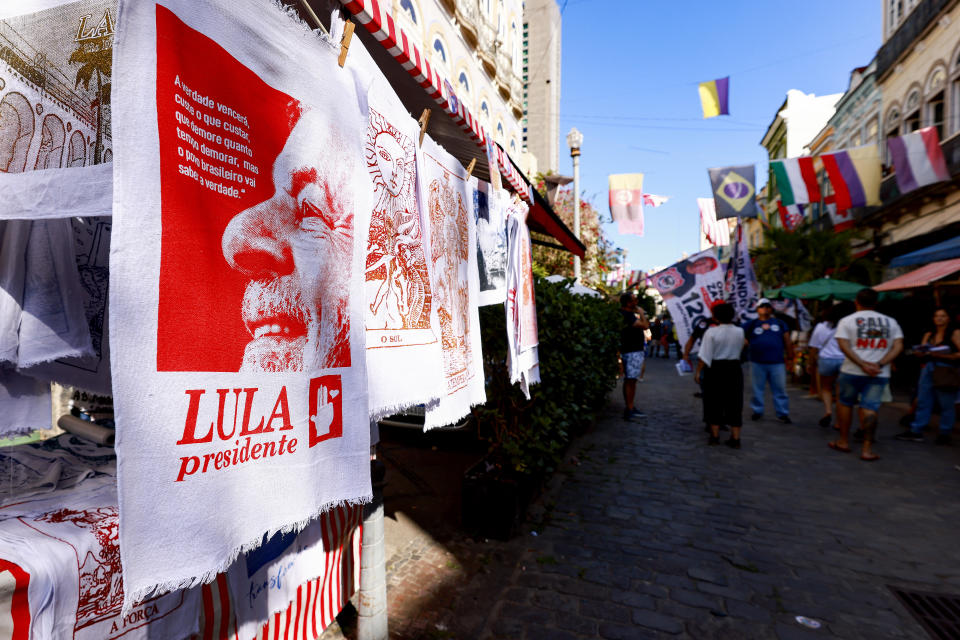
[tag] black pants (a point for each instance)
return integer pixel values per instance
(723, 393)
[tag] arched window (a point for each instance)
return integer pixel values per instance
(936, 101)
(484, 109)
(891, 129)
(911, 118)
(107, 155)
(16, 129)
(52, 137)
(513, 146)
(500, 131)
(77, 151)
(955, 95)
(464, 82)
(409, 9)
(440, 49)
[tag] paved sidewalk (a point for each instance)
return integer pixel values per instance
(646, 533)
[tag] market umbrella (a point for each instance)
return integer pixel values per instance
(822, 289)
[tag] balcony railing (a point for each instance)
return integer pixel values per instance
(907, 33)
(468, 15)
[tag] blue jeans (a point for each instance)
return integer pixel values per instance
(927, 395)
(776, 375)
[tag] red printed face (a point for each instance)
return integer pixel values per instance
(296, 248)
(257, 216)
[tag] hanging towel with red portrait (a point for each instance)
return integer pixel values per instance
(55, 136)
(451, 235)
(523, 358)
(236, 295)
(402, 325)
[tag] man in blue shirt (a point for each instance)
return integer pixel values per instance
(770, 347)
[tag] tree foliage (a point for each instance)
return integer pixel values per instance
(788, 258)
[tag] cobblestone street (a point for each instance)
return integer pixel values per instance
(649, 533)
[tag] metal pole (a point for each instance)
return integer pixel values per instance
(623, 270)
(575, 153)
(372, 599)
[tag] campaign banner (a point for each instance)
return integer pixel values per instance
(742, 288)
(55, 135)
(689, 288)
(237, 285)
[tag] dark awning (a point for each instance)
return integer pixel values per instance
(941, 251)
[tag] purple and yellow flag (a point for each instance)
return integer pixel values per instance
(714, 97)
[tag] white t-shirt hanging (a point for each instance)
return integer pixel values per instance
(236, 293)
(55, 138)
(451, 237)
(870, 335)
(404, 361)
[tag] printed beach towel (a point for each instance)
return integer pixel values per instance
(242, 203)
(267, 580)
(489, 216)
(402, 326)
(60, 551)
(451, 237)
(523, 358)
(55, 138)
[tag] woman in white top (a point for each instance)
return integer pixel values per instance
(824, 349)
(719, 369)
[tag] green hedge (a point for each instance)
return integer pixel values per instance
(579, 338)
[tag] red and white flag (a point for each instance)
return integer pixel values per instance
(716, 231)
(626, 202)
(791, 215)
(650, 200)
(841, 218)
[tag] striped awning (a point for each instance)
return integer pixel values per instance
(923, 276)
(376, 19)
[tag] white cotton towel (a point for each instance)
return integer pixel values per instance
(404, 361)
(451, 234)
(489, 215)
(14, 235)
(236, 294)
(523, 359)
(53, 324)
(56, 142)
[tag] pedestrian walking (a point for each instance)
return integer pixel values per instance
(631, 350)
(827, 358)
(656, 332)
(870, 341)
(692, 348)
(720, 372)
(939, 379)
(770, 347)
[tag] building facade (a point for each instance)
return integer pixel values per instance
(918, 76)
(541, 83)
(478, 45)
(798, 121)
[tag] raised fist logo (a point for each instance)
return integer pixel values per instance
(326, 416)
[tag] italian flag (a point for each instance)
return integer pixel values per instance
(796, 180)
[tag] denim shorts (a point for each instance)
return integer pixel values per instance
(829, 366)
(632, 364)
(868, 388)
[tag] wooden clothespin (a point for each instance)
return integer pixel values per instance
(471, 166)
(424, 121)
(348, 28)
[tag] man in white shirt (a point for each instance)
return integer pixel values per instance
(870, 341)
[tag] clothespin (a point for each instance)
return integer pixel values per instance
(471, 166)
(424, 121)
(345, 41)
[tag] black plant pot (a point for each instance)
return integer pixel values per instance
(494, 500)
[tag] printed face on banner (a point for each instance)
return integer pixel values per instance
(397, 282)
(257, 218)
(449, 238)
(491, 240)
(55, 100)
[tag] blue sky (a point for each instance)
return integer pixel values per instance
(630, 74)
